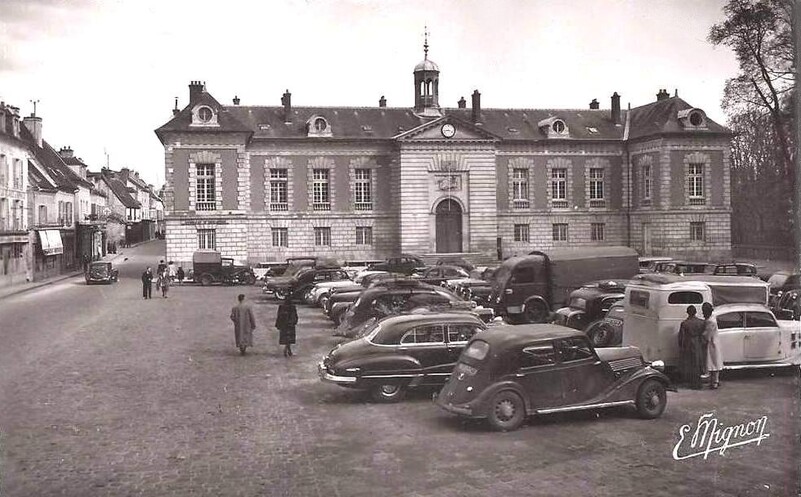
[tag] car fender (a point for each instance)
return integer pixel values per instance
(375, 369)
(480, 404)
(646, 373)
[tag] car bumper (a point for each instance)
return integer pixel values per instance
(337, 380)
(458, 409)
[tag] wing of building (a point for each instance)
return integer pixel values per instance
(263, 183)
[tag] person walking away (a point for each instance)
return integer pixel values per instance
(172, 270)
(161, 267)
(244, 324)
(714, 358)
(692, 358)
(179, 275)
(165, 283)
(285, 321)
(147, 283)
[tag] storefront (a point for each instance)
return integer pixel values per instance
(13, 266)
(54, 253)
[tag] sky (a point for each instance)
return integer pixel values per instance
(105, 73)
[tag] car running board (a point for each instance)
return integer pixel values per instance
(584, 407)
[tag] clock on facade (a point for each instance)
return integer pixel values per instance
(448, 130)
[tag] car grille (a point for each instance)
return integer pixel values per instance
(623, 364)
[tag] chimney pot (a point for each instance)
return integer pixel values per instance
(662, 95)
(382, 102)
(476, 106)
(236, 100)
(615, 108)
(462, 103)
(286, 101)
(594, 105)
(34, 125)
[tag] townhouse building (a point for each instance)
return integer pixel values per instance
(14, 249)
(267, 182)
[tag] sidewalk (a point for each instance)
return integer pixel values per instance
(27, 287)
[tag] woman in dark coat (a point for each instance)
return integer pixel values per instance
(285, 321)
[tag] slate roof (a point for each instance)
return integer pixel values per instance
(38, 180)
(386, 123)
(121, 192)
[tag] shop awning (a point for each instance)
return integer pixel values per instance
(51, 242)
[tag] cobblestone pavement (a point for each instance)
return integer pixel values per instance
(103, 393)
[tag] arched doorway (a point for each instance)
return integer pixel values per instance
(449, 226)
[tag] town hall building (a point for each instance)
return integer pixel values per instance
(262, 183)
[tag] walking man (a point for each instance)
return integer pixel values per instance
(692, 358)
(244, 324)
(147, 284)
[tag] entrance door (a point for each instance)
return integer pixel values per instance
(449, 227)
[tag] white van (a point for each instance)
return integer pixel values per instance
(750, 335)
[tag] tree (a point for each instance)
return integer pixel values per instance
(759, 103)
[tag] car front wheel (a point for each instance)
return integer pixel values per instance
(506, 412)
(388, 393)
(651, 399)
(536, 312)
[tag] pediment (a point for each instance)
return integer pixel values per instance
(436, 130)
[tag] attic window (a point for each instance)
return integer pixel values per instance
(696, 119)
(592, 130)
(320, 124)
(205, 114)
(558, 126)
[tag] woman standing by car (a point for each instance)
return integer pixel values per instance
(285, 321)
(714, 359)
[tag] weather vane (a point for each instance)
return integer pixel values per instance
(425, 43)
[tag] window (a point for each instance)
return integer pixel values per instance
(279, 190)
(560, 232)
(537, 355)
(363, 194)
(42, 214)
(205, 196)
(695, 182)
(204, 114)
(646, 181)
(597, 232)
(573, 349)
(207, 239)
(3, 170)
(558, 126)
(280, 237)
(322, 236)
(559, 185)
(521, 232)
(477, 350)
(364, 235)
(759, 320)
(425, 334)
(321, 200)
(596, 184)
(17, 174)
(320, 124)
(731, 320)
(525, 274)
(639, 298)
(461, 332)
(68, 213)
(685, 298)
(697, 231)
(520, 189)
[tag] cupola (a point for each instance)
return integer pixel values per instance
(426, 85)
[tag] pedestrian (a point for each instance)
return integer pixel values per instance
(147, 284)
(285, 321)
(714, 358)
(179, 274)
(85, 259)
(165, 283)
(172, 270)
(244, 324)
(161, 267)
(692, 358)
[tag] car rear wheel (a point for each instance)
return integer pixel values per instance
(280, 294)
(323, 300)
(388, 393)
(651, 399)
(206, 280)
(600, 334)
(536, 312)
(506, 411)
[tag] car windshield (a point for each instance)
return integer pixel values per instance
(98, 270)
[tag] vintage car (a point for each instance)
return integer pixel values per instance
(781, 282)
(303, 281)
(587, 307)
(651, 264)
(209, 266)
(405, 264)
(401, 352)
(472, 289)
(506, 374)
(264, 270)
(609, 330)
(100, 272)
(788, 306)
(455, 260)
(440, 274)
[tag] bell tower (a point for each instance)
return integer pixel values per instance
(426, 85)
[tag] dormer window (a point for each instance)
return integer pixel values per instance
(203, 115)
(692, 118)
(554, 127)
(318, 126)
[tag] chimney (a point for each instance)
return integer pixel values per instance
(236, 100)
(286, 101)
(476, 106)
(175, 110)
(382, 102)
(2, 117)
(615, 108)
(662, 95)
(66, 152)
(195, 89)
(34, 125)
(462, 103)
(594, 105)
(123, 175)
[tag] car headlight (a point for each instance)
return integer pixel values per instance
(658, 365)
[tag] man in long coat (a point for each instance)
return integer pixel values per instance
(244, 324)
(147, 284)
(692, 356)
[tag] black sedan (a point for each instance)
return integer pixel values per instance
(401, 352)
(506, 374)
(100, 272)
